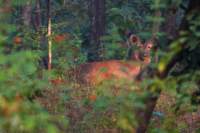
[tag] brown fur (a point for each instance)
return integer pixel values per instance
(96, 72)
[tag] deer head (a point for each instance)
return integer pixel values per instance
(142, 51)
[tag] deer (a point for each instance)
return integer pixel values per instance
(94, 73)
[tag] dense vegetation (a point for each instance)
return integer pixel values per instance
(41, 41)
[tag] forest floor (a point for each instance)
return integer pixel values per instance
(186, 121)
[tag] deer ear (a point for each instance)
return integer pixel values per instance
(134, 40)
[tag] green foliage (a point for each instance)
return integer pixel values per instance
(21, 2)
(67, 54)
(19, 80)
(114, 46)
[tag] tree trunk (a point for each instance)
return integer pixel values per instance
(97, 16)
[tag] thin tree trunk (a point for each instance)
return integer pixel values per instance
(151, 101)
(49, 34)
(97, 15)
